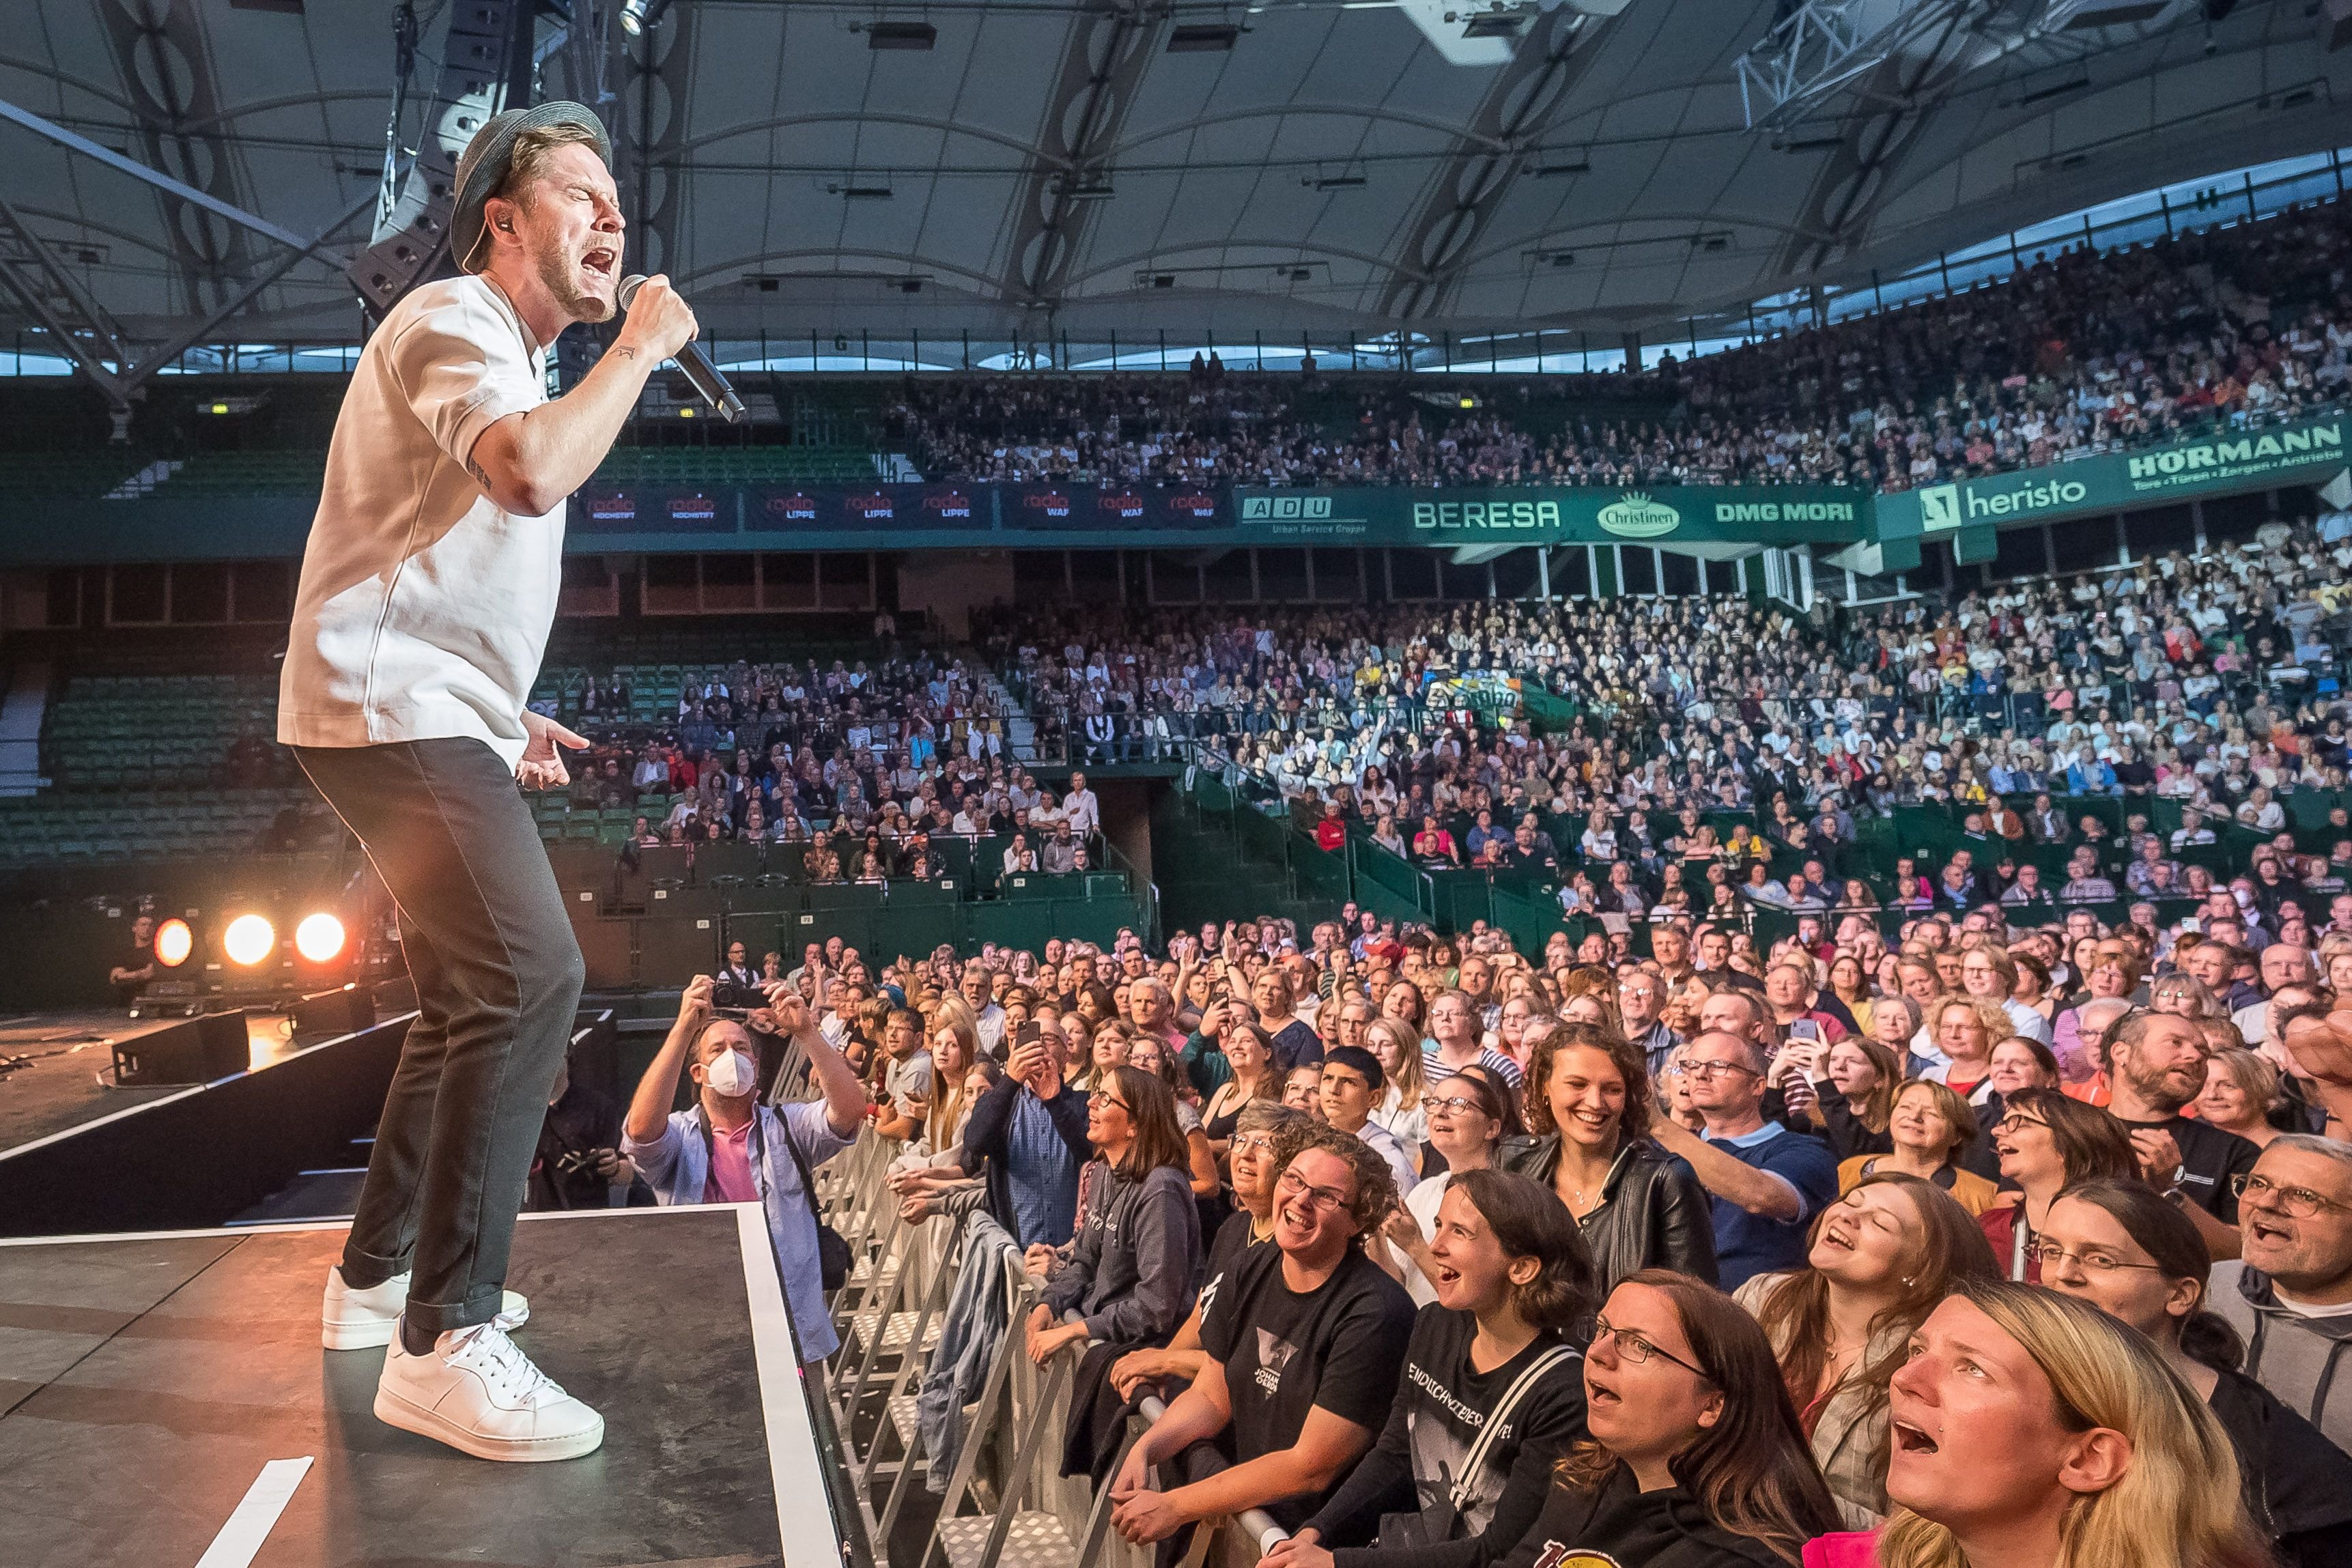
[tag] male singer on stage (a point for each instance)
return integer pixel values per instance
(428, 587)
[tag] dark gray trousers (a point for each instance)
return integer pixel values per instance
(497, 978)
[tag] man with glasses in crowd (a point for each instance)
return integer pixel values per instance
(2289, 1295)
(1767, 1183)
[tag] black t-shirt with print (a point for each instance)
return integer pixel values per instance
(2210, 1158)
(1620, 1526)
(1341, 1347)
(1443, 1407)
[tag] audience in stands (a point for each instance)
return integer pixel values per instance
(2074, 353)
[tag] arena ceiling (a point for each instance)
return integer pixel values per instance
(1093, 166)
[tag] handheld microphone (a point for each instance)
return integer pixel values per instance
(706, 377)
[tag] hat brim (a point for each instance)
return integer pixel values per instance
(490, 155)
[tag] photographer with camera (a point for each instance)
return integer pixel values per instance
(730, 1148)
(579, 1163)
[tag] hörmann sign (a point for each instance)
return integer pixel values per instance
(2306, 452)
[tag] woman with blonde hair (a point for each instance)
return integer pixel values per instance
(1931, 1127)
(1398, 1048)
(2241, 1089)
(2029, 1427)
(955, 1047)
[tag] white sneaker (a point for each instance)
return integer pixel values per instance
(479, 1393)
(365, 1320)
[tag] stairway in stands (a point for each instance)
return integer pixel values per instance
(1201, 876)
(1020, 729)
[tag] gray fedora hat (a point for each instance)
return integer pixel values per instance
(490, 155)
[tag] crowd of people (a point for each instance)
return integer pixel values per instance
(1972, 1248)
(2078, 352)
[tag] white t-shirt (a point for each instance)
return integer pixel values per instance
(423, 607)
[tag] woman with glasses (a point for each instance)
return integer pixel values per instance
(1586, 1104)
(2033, 1430)
(1880, 1257)
(2047, 1142)
(1304, 1345)
(1262, 1131)
(1491, 1397)
(1469, 1117)
(1696, 1457)
(1131, 1266)
(1930, 1128)
(2128, 1251)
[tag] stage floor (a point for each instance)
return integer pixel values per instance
(145, 1381)
(58, 1089)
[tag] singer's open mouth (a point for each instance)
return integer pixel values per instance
(601, 261)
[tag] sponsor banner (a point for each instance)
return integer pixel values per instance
(1532, 515)
(640, 510)
(2306, 452)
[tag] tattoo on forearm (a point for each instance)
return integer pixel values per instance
(624, 352)
(480, 478)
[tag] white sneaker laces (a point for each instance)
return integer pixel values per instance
(509, 1371)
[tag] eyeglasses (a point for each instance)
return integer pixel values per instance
(1454, 1103)
(2297, 1202)
(1717, 1069)
(1244, 1142)
(1293, 1184)
(1637, 1350)
(2012, 1123)
(2050, 1255)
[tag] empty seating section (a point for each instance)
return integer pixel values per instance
(81, 475)
(297, 471)
(662, 466)
(69, 825)
(109, 732)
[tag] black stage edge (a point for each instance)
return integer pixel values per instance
(194, 1157)
(148, 1379)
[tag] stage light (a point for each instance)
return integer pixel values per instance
(174, 943)
(637, 16)
(250, 939)
(319, 937)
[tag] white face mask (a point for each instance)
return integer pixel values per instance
(730, 1074)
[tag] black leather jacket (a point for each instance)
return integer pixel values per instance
(1654, 1214)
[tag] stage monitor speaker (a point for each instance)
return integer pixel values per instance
(396, 994)
(346, 1010)
(195, 1051)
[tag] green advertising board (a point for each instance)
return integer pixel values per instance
(1669, 515)
(2307, 452)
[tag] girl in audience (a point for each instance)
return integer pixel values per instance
(1154, 1056)
(1263, 1133)
(1492, 1397)
(1398, 1048)
(1696, 1457)
(1250, 1057)
(1856, 1096)
(1882, 1256)
(2034, 1429)
(2047, 1142)
(1930, 1127)
(1465, 1123)
(1587, 1106)
(1850, 983)
(1131, 1266)
(2128, 1251)
(1402, 1001)
(2241, 1091)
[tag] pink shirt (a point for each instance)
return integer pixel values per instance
(730, 1167)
